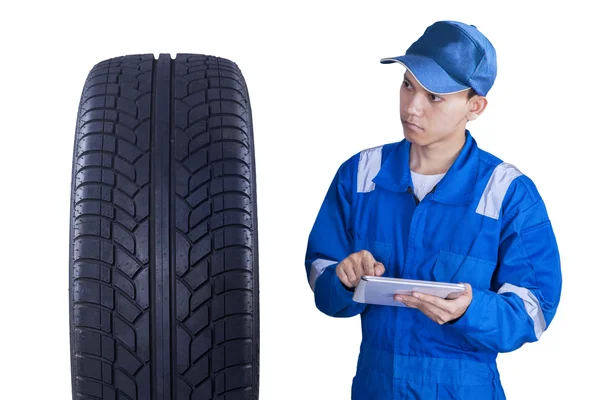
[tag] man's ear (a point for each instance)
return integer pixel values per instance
(476, 106)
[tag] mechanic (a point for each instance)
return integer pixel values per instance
(436, 207)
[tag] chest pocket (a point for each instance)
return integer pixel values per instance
(455, 268)
(381, 251)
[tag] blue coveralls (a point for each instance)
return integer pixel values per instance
(484, 223)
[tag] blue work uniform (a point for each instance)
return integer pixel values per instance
(483, 223)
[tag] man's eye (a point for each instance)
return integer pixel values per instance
(406, 84)
(433, 97)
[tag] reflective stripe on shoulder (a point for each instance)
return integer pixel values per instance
(316, 269)
(495, 190)
(369, 165)
(532, 305)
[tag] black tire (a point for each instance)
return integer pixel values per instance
(163, 240)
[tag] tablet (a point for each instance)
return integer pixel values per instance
(381, 290)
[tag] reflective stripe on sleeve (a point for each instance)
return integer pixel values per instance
(495, 190)
(369, 165)
(532, 305)
(317, 268)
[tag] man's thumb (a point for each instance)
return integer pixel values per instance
(379, 269)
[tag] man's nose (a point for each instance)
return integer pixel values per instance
(415, 104)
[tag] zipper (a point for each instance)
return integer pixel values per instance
(410, 190)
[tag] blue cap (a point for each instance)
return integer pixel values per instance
(451, 57)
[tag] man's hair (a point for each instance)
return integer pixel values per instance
(471, 94)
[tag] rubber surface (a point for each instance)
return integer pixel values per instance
(163, 245)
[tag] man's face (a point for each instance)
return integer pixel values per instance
(428, 118)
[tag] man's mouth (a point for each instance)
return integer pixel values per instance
(412, 124)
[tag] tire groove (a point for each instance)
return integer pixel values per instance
(230, 100)
(183, 277)
(115, 288)
(225, 210)
(112, 154)
(206, 146)
(110, 134)
(93, 357)
(214, 115)
(234, 191)
(92, 261)
(198, 64)
(139, 188)
(101, 359)
(112, 243)
(152, 240)
(182, 325)
(103, 168)
(138, 221)
(224, 342)
(230, 270)
(236, 390)
(211, 278)
(229, 315)
(188, 204)
(162, 242)
(94, 183)
(227, 226)
(221, 159)
(237, 246)
(234, 290)
(184, 379)
(197, 224)
(234, 365)
(220, 176)
(172, 227)
(94, 305)
(109, 335)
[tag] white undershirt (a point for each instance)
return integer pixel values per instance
(424, 183)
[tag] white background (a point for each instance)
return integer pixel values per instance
(319, 95)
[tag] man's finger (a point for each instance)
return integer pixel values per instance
(365, 262)
(358, 270)
(432, 311)
(468, 287)
(450, 307)
(379, 269)
(368, 268)
(415, 302)
(435, 300)
(455, 295)
(351, 276)
(344, 278)
(441, 315)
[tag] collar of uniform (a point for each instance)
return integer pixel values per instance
(456, 187)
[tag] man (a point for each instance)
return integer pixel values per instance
(436, 207)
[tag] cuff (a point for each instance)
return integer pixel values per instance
(330, 292)
(332, 298)
(339, 290)
(471, 319)
(350, 289)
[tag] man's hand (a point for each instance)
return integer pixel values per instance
(353, 267)
(438, 309)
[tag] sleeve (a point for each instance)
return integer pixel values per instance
(329, 242)
(526, 285)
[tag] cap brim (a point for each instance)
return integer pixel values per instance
(428, 73)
